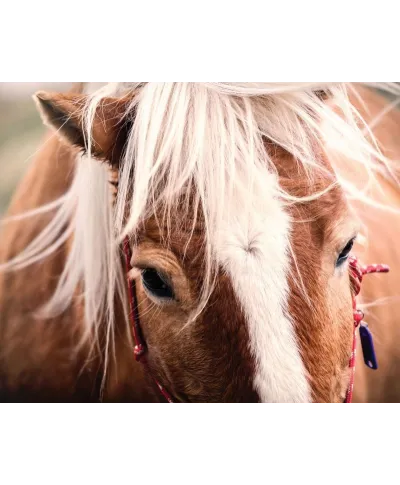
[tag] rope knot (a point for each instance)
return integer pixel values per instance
(139, 351)
(358, 317)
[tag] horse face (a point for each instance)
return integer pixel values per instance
(277, 326)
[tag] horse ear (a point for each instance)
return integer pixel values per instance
(65, 113)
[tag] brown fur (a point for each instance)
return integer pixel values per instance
(323, 324)
(38, 360)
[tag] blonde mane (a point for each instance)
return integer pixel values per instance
(190, 138)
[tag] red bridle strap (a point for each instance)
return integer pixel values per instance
(357, 273)
(140, 345)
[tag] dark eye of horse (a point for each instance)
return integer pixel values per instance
(157, 285)
(344, 255)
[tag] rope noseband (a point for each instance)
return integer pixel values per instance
(357, 273)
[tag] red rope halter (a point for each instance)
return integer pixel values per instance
(357, 272)
(140, 346)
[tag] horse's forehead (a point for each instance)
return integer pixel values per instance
(259, 250)
(254, 250)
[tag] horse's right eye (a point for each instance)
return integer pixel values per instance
(157, 285)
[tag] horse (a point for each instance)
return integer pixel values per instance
(191, 243)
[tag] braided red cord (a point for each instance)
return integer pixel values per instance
(357, 272)
(140, 346)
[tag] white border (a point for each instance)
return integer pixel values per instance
(222, 444)
(202, 40)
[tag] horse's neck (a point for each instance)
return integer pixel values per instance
(38, 357)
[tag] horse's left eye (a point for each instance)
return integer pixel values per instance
(156, 285)
(344, 255)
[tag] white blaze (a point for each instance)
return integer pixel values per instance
(253, 249)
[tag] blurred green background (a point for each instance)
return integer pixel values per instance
(21, 132)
